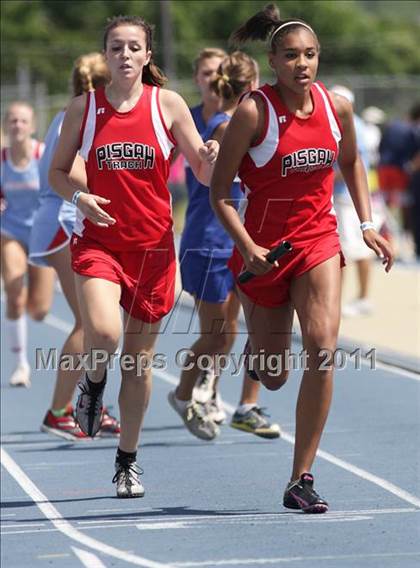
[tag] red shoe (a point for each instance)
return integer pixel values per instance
(63, 426)
(109, 424)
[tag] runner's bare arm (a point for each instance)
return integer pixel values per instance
(60, 177)
(177, 116)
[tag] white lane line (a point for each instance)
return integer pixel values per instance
(262, 561)
(383, 483)
(243, 519)
(4, 533)
(198, 525)
(393, 369)
(88, 559)
(8, 515)
(58, 323)
(53, 515)
(261, 517)
(21, 525)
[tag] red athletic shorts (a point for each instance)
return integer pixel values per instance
(392, 178)
(272, 289)
(146, 277)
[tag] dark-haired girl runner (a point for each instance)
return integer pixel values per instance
(283, 140)
(122, 247)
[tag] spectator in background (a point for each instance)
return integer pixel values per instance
(351, 239)
(373, 117)
(395, 152)
(413, 168)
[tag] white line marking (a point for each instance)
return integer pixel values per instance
(58, 323)
(393, 369)
(8, 515)
(174, 525)
(245, 561)
(88, 559)
(261, 517)
(53, 515)
(383, 483)
(264, 518)
(21, 525)
(4, 533)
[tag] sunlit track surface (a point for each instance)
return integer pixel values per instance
(216, 504)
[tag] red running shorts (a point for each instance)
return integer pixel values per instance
(146, 277)
(272, 289)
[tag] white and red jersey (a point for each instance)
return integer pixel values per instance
(127, 158)
(288, 174)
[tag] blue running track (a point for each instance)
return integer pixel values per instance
(212, 504)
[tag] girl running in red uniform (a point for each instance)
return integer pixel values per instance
(284, 140)
(122, 248)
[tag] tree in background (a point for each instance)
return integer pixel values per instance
(360, 37)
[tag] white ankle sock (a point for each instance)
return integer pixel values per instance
(181, 404)
(16, 331)
(244, 408)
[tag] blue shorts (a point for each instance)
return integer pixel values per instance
(52, 229)
(12, 229)
(205, 277)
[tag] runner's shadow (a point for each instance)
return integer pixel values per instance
(91, 445)
(162, 428)
(140, 515)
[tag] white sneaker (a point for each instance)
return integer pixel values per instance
(359, 307)
(203, 391)
(216, 410)
(21, 376)
(195, 418)
(127, 478)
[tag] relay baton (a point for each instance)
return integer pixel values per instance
(272, 256)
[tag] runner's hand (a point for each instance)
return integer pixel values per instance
(255, 260)
(209, 151)
(380, 246)
(89, 205)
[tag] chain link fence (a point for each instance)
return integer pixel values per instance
(393, 94)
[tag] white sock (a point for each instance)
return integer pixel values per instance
(182, 404)
(16, 331)
(244, 408)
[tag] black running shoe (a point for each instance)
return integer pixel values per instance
(250, 372)
(89, 407)
(300, 494)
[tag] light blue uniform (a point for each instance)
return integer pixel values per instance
(55, 218)
(205, 245)
(20, 190)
